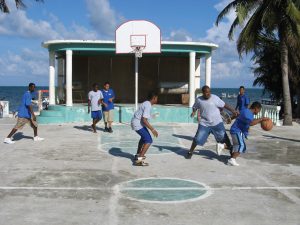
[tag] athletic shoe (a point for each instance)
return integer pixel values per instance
(110, 130)
(136, 157)
(37, 138)
(189, 155)
(232, 162)
(8, 141)
(106, 129)
(219, 148)
(140, 163)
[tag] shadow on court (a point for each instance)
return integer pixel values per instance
(88, 128)
(210, 155)
(18, 136)
(119, 153)
(281, 138)
(190, 138)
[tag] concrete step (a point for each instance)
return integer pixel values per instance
(51, 113)
(50, 119)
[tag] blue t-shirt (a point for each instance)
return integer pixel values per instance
(242, 102)
(107, 94)
(242, 123)
(24, 111)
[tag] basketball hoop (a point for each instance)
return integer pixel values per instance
(138, 51)
(138, 37)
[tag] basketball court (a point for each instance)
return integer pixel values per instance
(77, 177)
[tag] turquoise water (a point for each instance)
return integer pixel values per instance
(14, 94)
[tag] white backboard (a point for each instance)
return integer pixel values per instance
(138, 33)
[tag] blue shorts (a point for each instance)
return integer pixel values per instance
(203, 132)
(238, 141)
(145, 135)
(96, 115)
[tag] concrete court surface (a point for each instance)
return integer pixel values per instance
(78, 177)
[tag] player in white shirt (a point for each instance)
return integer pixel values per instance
(140, 123)
(95, 100)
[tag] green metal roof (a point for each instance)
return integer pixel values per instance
(108, 47)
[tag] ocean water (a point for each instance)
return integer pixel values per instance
(14, 94)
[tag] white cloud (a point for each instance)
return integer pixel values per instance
(226, 62)
(179, 35)
(28, 63)
(102, 17)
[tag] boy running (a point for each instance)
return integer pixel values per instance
(239, 130)
(139, 124)
(95, 100)
(209, 106)
(25, 116)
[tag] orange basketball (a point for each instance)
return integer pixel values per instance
(267, 125)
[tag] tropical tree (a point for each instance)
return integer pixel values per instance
(267, 16)
(19, 4)
(267, 69)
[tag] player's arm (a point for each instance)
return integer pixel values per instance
(112, 98)
(148, 125)
(232, 110)
(247, 101)
(195, 108)
(29, 105)
(237, 103)
(257, 121)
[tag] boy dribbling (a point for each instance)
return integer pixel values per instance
(239, 130)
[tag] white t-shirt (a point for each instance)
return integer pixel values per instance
(209, 110)
(94, 98)
(144, 110)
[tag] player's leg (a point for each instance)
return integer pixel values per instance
(238, 147)
(105, 117)
(34, 126)
(145, 143)
(199, 139)
(110, 120)
(139, 149)
(223, 141)
(21, 122)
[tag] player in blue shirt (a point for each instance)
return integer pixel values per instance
(239, 130)
(25, 116)
(242, 100)
(108, 106)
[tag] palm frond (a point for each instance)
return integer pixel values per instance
(226, 10)
(3, 6)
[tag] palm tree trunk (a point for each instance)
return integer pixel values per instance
(287, 119)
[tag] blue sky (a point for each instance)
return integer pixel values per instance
(22, 59)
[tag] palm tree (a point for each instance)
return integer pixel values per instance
(19, 4)
(281, 17)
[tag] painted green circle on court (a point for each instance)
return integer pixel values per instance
(164, 190)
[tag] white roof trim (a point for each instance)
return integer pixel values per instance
(47, 43)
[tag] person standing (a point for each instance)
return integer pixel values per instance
(140, 124)
(242, 100)
(209, 106)
(108, 106)
(95, 99)
(25, 116)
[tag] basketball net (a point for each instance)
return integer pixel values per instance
(138, 51)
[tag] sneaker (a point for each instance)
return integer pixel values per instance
(219, 148)
(233, 162)
(106, 129)
(110, 130)
(140, 162)
(136, 157)
(189, 155)
(8, 141)
(37, 138)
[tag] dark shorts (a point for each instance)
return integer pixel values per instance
(145, 135)
(203, 132)
(96, 115)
